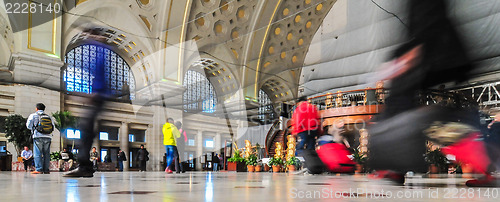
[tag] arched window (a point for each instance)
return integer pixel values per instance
(265, 107)
(81, 63)
(199, 94)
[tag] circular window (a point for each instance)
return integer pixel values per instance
(200, 22)
(241, 13)
(277, 31)
(224, 6)
(235, 34)
(319, 7)
(301, 41)
(271, 50)
(308, 24)
(297, 19)
(286, 11)
(219, 27)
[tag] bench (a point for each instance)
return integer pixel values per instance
(104, 166)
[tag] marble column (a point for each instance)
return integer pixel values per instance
(199, 149)
(124, 144)
(217, 143)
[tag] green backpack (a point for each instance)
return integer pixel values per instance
(44, 125)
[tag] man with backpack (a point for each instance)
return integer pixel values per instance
(41, 126)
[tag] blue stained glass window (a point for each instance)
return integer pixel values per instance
(199, 94)
(81, 63)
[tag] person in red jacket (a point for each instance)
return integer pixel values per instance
(305, 125)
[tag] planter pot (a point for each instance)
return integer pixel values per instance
(358, 168)
(433, 169)
(258, 168)
(236, 166)
(276, 169)
(250, 168)
(291, 168)
(467, 169)
(266, 168)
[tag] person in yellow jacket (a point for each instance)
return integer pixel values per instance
(170, 134)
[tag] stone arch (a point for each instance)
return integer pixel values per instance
(220, 75)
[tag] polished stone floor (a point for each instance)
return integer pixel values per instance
(231, 186)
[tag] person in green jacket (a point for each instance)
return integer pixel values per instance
(170, 134)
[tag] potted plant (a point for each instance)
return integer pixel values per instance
(16, 132)
(436, 160)
(258, 167)
(360, 160)
(251, 162)
(276, 164)
(63, 121)
(55, 156)
(292, 163)
(235, 163)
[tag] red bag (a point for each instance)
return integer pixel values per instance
(470, 150)
(335, 157)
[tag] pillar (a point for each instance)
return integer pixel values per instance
(124, 144)
(199, 149)
(217, 143)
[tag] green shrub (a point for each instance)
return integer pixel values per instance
(275, 162)
(236, 157)
(251, 160)
(293, 161)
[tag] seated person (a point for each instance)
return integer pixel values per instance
(27, 156)
(66, 156)
(107, 158)
(94, 158)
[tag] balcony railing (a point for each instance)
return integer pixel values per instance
(377, 96)
(368, 96)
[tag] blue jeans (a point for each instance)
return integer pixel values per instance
(42, 154)
(120, 165)
(170, 153)
(306, 139)
(216, 166)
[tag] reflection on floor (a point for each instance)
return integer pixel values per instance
(230, 186)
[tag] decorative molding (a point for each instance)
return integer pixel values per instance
(54, 30)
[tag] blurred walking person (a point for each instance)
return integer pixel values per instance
(170, 135)
(434, 55)
(306, 125)
(96, 101)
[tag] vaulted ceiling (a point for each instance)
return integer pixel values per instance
(261, 44)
